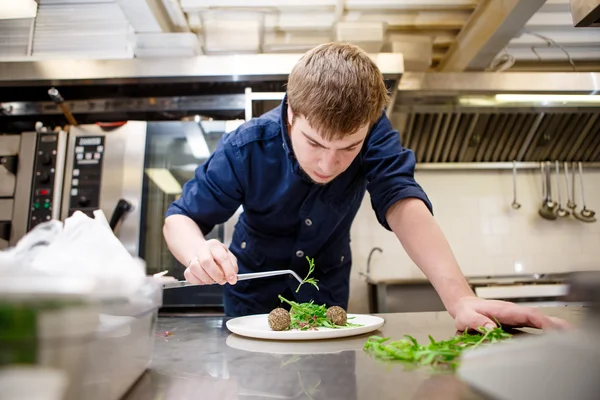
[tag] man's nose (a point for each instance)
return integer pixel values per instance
(328, 163)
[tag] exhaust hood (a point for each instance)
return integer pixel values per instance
(499, 117)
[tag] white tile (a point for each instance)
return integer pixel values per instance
(469, 205)
(492, 245)
(485, 225)
(500, 225)
(491, 205)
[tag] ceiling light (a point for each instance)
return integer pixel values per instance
(10, 9)
(548, 98)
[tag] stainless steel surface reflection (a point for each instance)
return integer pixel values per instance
(202, 359)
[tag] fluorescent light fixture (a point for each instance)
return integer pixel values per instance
(196, 141)
(548, 98)
(10, 9)
(477, 101)
(164, 180)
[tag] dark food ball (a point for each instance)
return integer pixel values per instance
(337, 315)
(279, 319)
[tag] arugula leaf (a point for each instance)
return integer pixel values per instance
(439, 355)
(311, 268)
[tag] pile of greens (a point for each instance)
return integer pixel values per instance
(440, 355)
(306, 316)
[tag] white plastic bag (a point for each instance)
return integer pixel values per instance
(21, 256)
(82, 248)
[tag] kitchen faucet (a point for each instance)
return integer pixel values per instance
(366, 275)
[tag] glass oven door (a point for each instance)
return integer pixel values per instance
(173, 152)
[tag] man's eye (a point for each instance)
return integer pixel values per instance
(351, 148)
(313, 144)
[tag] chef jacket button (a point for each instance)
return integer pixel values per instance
(283, 145)
(342, 259)
(299, 253)
(243, 245)
(308, 222)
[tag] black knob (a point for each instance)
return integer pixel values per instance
(83, 201)
(46, 159)
(44, 177)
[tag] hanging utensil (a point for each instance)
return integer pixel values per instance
(240, 277)
(547, 210)
(58, 99)
(570, 200)
(585, 214)
(515, 205)
(573, 205)
(560, 211)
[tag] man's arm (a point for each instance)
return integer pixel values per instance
(427, 246)
(183, 237)
(208, 199)
(423, 240)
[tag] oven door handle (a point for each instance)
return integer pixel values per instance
(10, 163)
(122, 208)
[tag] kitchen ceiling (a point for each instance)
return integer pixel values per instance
(531, 33)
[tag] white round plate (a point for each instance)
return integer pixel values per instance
(257, 326)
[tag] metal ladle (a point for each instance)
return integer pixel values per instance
(547, 210)
(515, 205)
(584, 215)
(574, 206)
(561, 212)
(570, 200)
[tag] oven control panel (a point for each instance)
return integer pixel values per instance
(87, 175)
(44, 178)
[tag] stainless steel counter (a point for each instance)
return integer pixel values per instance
(203, 360)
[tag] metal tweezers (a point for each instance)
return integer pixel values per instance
(240, 277)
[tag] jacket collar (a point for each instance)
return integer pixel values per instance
(287, 141)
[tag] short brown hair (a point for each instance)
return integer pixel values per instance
(337, 88)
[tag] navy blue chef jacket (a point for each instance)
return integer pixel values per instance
(286, 217)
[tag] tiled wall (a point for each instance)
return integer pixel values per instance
(487, 236)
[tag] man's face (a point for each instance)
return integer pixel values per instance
(320, 159)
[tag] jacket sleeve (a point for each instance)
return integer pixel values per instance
(215, 192)
(389, 169)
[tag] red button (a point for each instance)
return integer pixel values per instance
(44, 192)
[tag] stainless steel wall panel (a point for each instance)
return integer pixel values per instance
(23, 187)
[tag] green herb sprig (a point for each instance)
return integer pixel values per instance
(440, 355)
(306, 316)
(311, 268)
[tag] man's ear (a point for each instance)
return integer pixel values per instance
(290, 115)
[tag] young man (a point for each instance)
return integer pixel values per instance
(301, 171)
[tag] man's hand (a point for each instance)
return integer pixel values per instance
(213, 263)
(473, 312)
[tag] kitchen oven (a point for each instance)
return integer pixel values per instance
(133, 171)
(31, 178)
